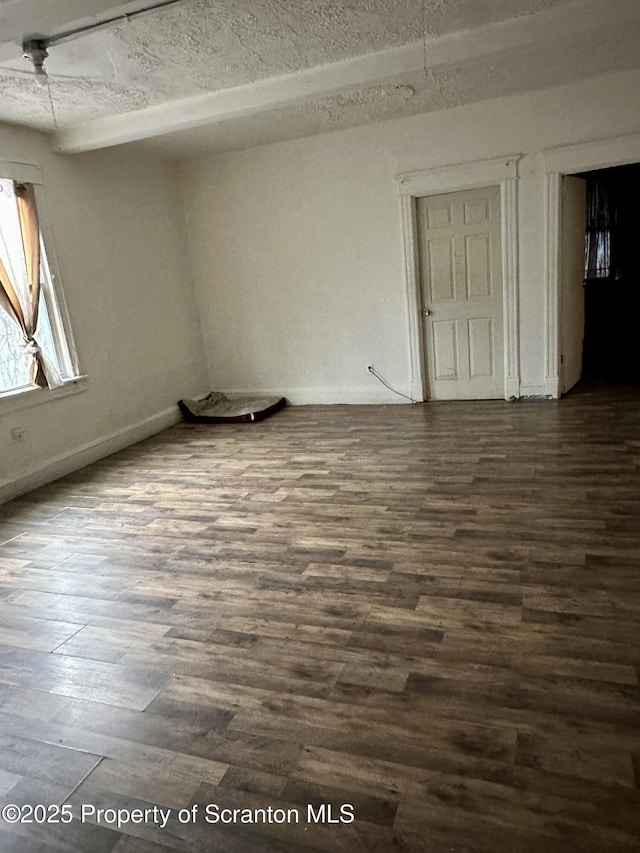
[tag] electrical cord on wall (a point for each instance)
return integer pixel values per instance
(381, 379)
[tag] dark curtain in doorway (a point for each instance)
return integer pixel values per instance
(601, 225)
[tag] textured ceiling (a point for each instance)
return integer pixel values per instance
(512, 72)
(203, 46)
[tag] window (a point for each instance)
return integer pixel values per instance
(36, 349)
(598, 250)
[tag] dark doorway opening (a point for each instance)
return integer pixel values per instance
(611, 349)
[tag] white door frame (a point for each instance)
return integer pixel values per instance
(567, 160)
(502, 172)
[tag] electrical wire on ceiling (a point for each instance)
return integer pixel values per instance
(43, 81)
(424, 37)
(12, 72)
(56, 147)
(34, 48)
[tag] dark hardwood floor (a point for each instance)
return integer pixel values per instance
(426, 616)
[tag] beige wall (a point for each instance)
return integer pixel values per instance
(296, 254)
(117, 236)
(297, 246)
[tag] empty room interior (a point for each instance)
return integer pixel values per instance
(401, 612)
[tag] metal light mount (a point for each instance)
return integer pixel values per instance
(35, 50)
(34, 47)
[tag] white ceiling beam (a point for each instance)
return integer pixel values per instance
(388, 66)
(25, 18)
(225, 104)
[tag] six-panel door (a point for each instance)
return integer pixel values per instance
(461, 284)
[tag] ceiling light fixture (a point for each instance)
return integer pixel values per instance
(36, 51)
(34, 48)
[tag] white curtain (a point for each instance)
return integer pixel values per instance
(20, 295)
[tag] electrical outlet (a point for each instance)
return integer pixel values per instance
(18, 434)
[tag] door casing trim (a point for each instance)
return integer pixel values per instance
(502, 172)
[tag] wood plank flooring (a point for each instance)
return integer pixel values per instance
(428, 616)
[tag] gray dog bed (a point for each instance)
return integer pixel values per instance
(217, 408)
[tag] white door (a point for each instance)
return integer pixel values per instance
(574, 215)
(461, 289)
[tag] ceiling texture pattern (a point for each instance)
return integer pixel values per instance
(206, 75)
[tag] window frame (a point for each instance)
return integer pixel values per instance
(52, 292)
(604, 237)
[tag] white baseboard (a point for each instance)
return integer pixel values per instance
(355, 395)
(533, 391)
(552, 387)
(82, 456)
(512, 389)
(417, 392)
